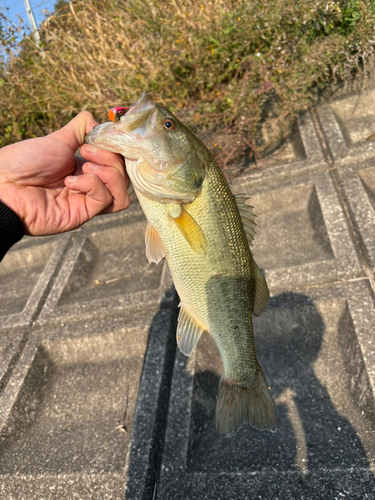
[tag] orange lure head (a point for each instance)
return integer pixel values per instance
(114, 114)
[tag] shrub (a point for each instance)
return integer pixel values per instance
(229, 63)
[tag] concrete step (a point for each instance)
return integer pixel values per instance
(96, 402)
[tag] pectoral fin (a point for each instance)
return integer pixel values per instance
(192, 232)
(188, 332)
(155, 250)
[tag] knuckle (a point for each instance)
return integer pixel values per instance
(108, 197)
(116, 162)
(125, 203)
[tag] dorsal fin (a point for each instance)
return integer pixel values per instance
(188, 332)
(247, 217)
(262, 294)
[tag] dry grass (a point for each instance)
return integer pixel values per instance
(229, 63)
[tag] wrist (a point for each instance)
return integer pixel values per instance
(11, 229)
(11, 197)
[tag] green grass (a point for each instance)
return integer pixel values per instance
(230, 64)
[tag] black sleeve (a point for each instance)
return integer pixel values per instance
(11, 229)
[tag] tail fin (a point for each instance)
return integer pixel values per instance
(237, 405)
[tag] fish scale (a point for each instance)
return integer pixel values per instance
(229, 256)
(196, 224)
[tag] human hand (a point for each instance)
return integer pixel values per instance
(53, 191)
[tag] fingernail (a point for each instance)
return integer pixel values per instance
(89, 148)
(72, 178)
(92, 166)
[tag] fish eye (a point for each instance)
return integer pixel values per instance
(169, 124)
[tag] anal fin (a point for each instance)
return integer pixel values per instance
(188, 332)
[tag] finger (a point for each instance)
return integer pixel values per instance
(81, 161)
(114, 182)
(74, 132)
(102, 157)
(87, 197)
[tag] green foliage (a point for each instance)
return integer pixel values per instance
(60, 7)
(7, 34)
(229, 63)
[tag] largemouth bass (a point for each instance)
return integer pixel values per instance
(203, 231)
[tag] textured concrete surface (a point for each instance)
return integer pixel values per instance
(96, 402)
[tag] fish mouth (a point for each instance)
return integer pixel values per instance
(110, 137)
(144, 103)
(123, 135)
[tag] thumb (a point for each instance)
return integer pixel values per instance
(73, 134)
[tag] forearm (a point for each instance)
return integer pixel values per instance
(11, 229)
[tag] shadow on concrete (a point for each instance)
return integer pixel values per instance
(312, 436)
